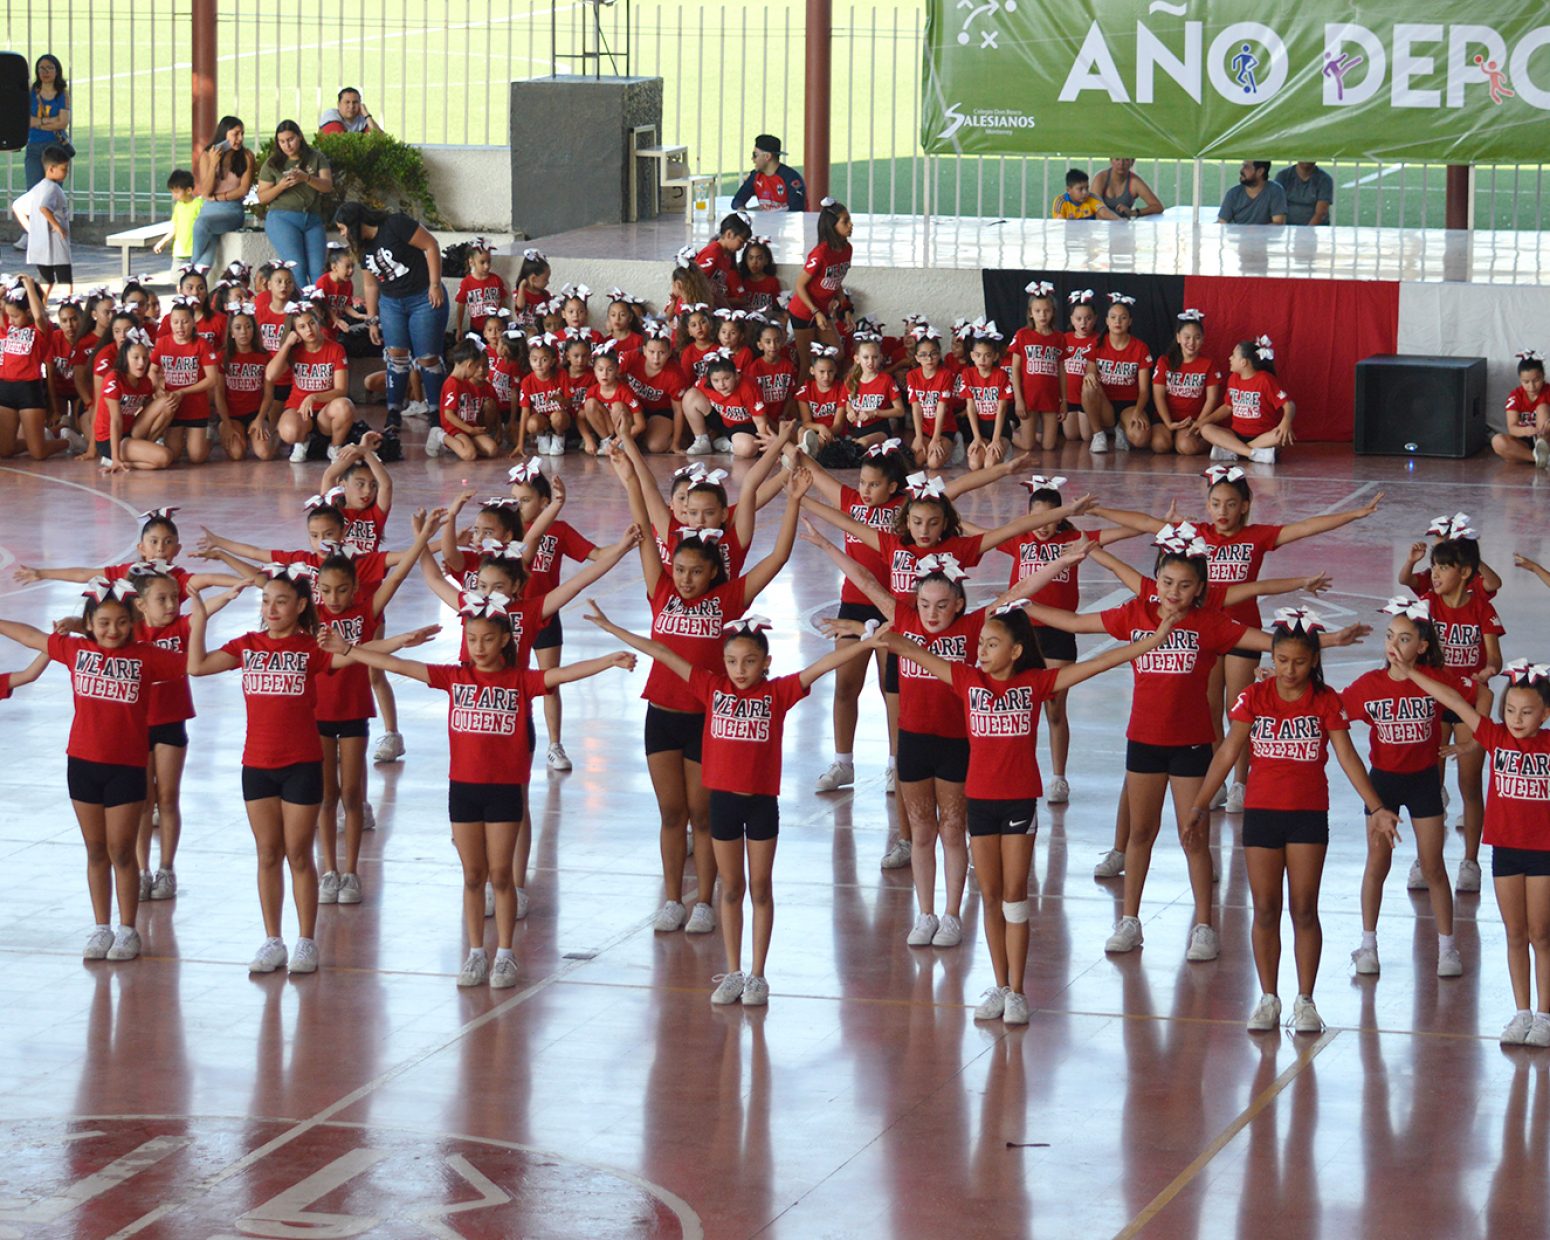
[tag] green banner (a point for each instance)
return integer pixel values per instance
(1237, 80)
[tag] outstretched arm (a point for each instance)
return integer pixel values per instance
(1066, 621)
(762, 573)
(210, 544)
(594, 571)
(201, 662)
(898, 644)
(1528, 565)
(825, 484)
(757, 480)
(658, 516)
(30, 673)
(1309, 526)
(843, 521)
(24, 634)
(27, 574)
(838, 657)
(654, 650)
(1140, 522)
(374, 654)
(1129, 577)
(858, 576)
(1076, 673)
(1315, 584)
(975, 479)
(440, 586)
(1447, 697)
(992, 539)
(1035, 581)
(424, 525)
(571, 672)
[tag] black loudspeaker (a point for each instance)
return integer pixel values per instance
(1420, 406)
(15, 102)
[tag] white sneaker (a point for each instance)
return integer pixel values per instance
(1203, 944)
(1469, 876)
(98, 942)
(1449, 962)
(1058, 792)
(812, 443)
(271, 956)
(1366, 961)
(1015, 1008)
(1416, 881)
(1099, 443)
(78, 444)
(475, 970)
(1305, 1017)
(730, 989)
(435, 441)
(1517, 1030)
(349, 889)
(1110, 865)
(147, 881)
(1220, 799)
(1266, 1014)
(756, 992)
(702, 920)
(991, 1005)
(298, 454)
(333, 451)
(328, 888)
(305, 958)
(557, 758)
(165, 885)
(891, 781)
(839, 775)
(126, 944)
(1126, 936)
(1235, 796)
(949, 933)
(671, 916)
(522, 903)
(1266, 456)
(1541, 453)
(390, 748)
(897, 856)
(1219, 453)
(416, 409)
(924, 930)
(556, 445)
(701, 446)
(721, 443)
(1538, 1034)
(504, 975)
(368, 817)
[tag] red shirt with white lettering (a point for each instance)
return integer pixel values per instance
(1030, 553)
(880, 517)
(1042, 354)
(823, 403)
(318, 370)
(183, 365)
(737, 408)
(1406, 721)
(487, 721)
(545, 397)
(1522, 409)
(172, 701)
(561, 542)
(364, 527)
(928, 705)
(1003, 728)
(826, 271)
(934, 395)
(244, 377)
(657, 392)
(720, 268)
(483, 297)
(1186, 384)
(744, 730)
(775, 380)
(279, 686)
(464, 400)
(899, 559)
(1078, 352)
(733, 553)
(694, 358)
(690, 628)
(1119, 370)
(1256, 403)
(1461, 631)
(506, 380)
(761, 292)
(112, 691)
(62, 356)
(1236, 558)
(23, 352)
(271, 331)
(133, 395)
(1517, 808)
(620, 394)
(347, 693)
(1288, 745)
(982, 394)
(339, 295)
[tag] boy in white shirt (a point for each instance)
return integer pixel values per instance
(44, 214)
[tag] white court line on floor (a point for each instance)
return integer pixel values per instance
(128, 554)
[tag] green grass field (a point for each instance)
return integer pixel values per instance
(438, 73)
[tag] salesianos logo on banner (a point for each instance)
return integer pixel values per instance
(1234, 79)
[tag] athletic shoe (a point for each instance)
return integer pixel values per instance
(1416, 881)
(730, 989)
(897, 856)
(1469, 876)
(435, 441)
(701, 446)
(1541, 453)
(147, 881)
(393, 422)
(1517, 1030)
(891, 782)
(557, 758)
(1203, 944)
(1267, 456)
(1126, 936)
(97, 944)
(1058, 792)
(1305, 1017)
(334, 451)
(522, 903)
(991, 1005)
(1110, 865)
(1266, 1014)
(1015, 1008)
(924, 930)
(349, 889)
(390, 748)
(1220, 799)
(489, 900)
(1449, 963)
(77, 443)
(702, 920)
(1538, 1034)
(1366, 960)
(126, 944)
(165, 885)
(949, 933)
(305, 958)
(271, 956)
(504, 975)
(368, 817)
(475, 970)
(756, 992)
(839, 775)
(328, 888)
(417, 409)
(156, 815)
(1099, 443)
(671, 916)
(1121, 441)
(1219, 453)
(1235, 796)
(721, 443)
(812, 442)
(298, 454)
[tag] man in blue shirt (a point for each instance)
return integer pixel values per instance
(771, 186)
(1310, 191)
(1255, 199)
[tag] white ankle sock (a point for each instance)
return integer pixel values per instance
(845, 759)
(1370, 939)
(1444, 942)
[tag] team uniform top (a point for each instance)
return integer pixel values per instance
(465, 401)
(935, 397)
(271, 332)
(101, 364)
(279, 686)
(1002, 718)
(313, 372)
(1233, 559)
(1030, 553)
(690, 628)
(1041, 354)
(880, 517)
(899, 559)
(775, 380)
(1186, 384)
(172, 701)
(823, 403)
(1406, 721)
(112, 691)
(483, 297)
(208, 328)
(621, 394)
(695, 358)
(545, 397)
(1077, 353)
(928, 705)
(657, 392)
(243, 374)
(720, 270)
(1521, 407)
(23, 352)
(183, 365)
(364, 528)
(62, 354)
(132, 394)
(338, 295)
(730, 547)
(744, 729)
(371, 567)
(1119, 370)
(347, 695)
(873, 395)
(761, 292)
(737, 408)
(827, 270)
(1517, 811)
(1461, 631)
(1256, 403)
(488, 719)
(982, 394)
(560, 543)
(505, 378)
(1288, 745)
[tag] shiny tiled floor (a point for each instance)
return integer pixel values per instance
(177, 1097)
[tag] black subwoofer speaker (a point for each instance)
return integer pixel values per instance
(15, 102)
(1420, 406)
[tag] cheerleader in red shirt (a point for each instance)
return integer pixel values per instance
(696, 340)
(718, 259)
(1406, 736)
(531, 290)
(1080, 341)
(489, 717)
(482, 292)
(111, 677)
(272, 307)
(820, 282)
(240, 398)
(105, 352)
(1262, 412)
(1037, 354)
(1118, 386)
(63, 346)
(874, 408)
(622, 323)
(1526, 440)
(1517, 826)
(730, 409)
(821, 400)
(543, 400)
(185, 371)
(732, 338)
(1187, 387)
(576, 362)
(611, 406)
(1288, 722)
(1444, 528)
(758, 278)
(575, 314)
(366, 493)
(773, 372)
(318, 401)
(505, 348)
(929, 390)
(130, 415)
(24, 375)
(986, 392)
(659, 386)
(688, 288)
(157, 548)
(469, 420)
(1000, 697)
(98, 325)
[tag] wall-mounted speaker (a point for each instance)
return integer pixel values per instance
(1420, 406)
(15, 102)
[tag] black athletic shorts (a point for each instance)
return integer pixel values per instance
(23, 394)
(1276, 828)
(55, 273)
(1242, 652)
(1516, 862)
(484, 802)
(1018, 817)
(282, 393)
(338, 729)
(1420, 792)
(1188, 761)
(860, 612)
(301, 783)
(674, 730)
(107, 784)
(1055, 643)
(736, 816)
(988, 429)
(890, 673)
(923, 756)
(1449, 717)
(551, 636)
(173, 734)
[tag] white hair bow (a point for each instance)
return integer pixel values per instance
(482, 243)
(686, 256)
(147, 278)
(922, 487)
(714, 478)
(193, 269)
(924, 331)
(1078, 296)
(1121, 299)
(328, 499)
(695, 307)
(475, 604)
(1038, 482)
(824, 350)
(579, 291)
(526, 472)
(694, 470)
(1222, 473)
(16, 293)
(1263, 348)
(711, 534)
(475, 339)
(748, 624)
(289, 264)
(865, 337)
(827, 202)
(501, 550)
(241, 307)
(501, 501)
(533, 255)
(1522, 672)
(1295, 618)
(295, 307)
(333, 546)
(100, 589)
(656, 330)
(1006, 609)
(164, 514)
(618, 294)
(1530, 355)
(885, 447)
(147, 568)
(543, 338)
(1192, 315)
(514, 333)
(238, 270)
(946, 565)
(1039, 288)
(138, 335)
(1181, 539)
(1456, 526)
(297, 570)
(1415, 609)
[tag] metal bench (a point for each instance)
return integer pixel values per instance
(140, 238)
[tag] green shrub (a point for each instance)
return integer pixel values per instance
(376, 169)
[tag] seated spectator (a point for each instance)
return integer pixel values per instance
(772, 185)
(1255, 199)
(1118, 188)
(350, 116)
(1310, 191)
(222, 179)
(1078, 202)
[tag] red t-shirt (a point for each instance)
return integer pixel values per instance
(545, 397)
(733, 553)
(102, 364)
(208, 328)
(775, 380)
(694, 358)
(339, 295)
(505, 380)
(692, 629)
(24, 352)
(364, 527)
(347, 693)
(720, 268)
(622, 394)
(826, 271)
(935, 398)
(487, 721)
(1030, 553)
(739, 407)
(1003, 731)
(744, 731)
(1169, 705)
(370, 569)
(61, 356)
(1288, 745)
(482, 297)
(1186, 384)
(562, 542)
(133, 395)
(1521, 407)
(899, 559)
(1119, 370)
(314, 372)
(244, 373)
(982, 394)
(657, 392)
(271, 327)
(279, 685)
(926, 704)
(1423, 584)
(1406, 721)
(172, 701)
(1237, 558)
(112, 691)
(80, 352)
(5, 685)
(465, 401)
(761, 292)
(1461, 631)
(1041, 357)
(183, 365)
(880, 517)
(823, 404)
(1256, 403)
(1077, 353)
(1517, 809)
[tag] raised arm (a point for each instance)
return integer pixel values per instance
(595, 570)
(838, 657)
(1076, 673)
(425, 526)
(762, 573)
(547, 516)
(1035, 581)
(1066, 621)
(825, 484)
(1518, 561)
(975, 479)
(754, 480)
(658, 516)
(30, 673)
(24, 634)
(1447, 697)
(210, 543)
(654, 650)
(451, 553)
(572, 672)
(443, 589)
(345, 654)
(1309, 526)
(844, 521)
(1239, 591)
(200, 661)
(855, 573)
(992, 539)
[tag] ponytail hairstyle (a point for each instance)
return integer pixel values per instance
(533, 264)
(952, 524)
(709, 552)
(828, 219)
(695, 282)
(1282, 633)
(1427, 632)
(1020, 629)
(737, 223)
(891, 465)
(1251, 350)
(464, 350)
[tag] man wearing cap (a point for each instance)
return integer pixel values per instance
(771, 186)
